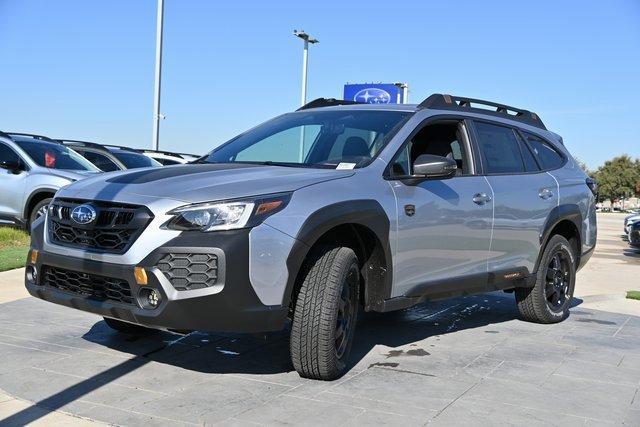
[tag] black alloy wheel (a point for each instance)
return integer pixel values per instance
(558, 280)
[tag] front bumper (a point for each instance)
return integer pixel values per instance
(231, 305)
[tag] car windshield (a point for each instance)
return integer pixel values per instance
(133, 160)
(54, 156)
(314, 139)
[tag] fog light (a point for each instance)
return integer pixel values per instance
(32, 274)
(149, 298)
(153, 298)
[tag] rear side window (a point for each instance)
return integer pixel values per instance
(530, 163)
(102, 162)
(499, 148)
(547, 156)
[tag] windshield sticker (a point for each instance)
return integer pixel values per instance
(346, 165)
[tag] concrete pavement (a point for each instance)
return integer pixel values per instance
(456, 362)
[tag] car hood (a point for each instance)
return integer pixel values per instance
(199, 183)
(632, 217)
(71, 175)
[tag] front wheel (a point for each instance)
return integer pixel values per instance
(325, 314)
(39, 210)
(550, 298)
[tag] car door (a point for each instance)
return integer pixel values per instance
(523, 198)
(443, 225)
(12, 186)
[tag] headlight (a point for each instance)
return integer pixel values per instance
(228, 215)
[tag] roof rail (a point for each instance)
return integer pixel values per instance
(326, 102)
(31, 135)
(4, 135)
(81, 143)
(447, 102)
(122, 147)
(97, 145)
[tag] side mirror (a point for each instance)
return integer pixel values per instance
(429, 166)
(11, 165)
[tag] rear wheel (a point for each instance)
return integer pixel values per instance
(325, 314)
(550, 298)
(127, 328)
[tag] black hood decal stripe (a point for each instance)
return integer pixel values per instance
(157, 174)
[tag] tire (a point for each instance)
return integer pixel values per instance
(127, 328)
(550, 298)
(325, 313)
(36, 212)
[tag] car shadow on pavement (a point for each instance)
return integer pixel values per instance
(633, 253)
(265, 354)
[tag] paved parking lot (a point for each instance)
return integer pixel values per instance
(462, 361)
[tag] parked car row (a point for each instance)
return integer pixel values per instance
(632, 229)
(34, 167)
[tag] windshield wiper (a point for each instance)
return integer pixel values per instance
(272, 163)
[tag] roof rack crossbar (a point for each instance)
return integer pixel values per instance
(439, 101)
(326, 102)
(31, 135)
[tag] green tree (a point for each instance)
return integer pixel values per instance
(618, 178)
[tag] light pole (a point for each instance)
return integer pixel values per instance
(303, 96)
(305, 61)
(156, 100)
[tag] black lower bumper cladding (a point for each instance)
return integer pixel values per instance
(233, 308)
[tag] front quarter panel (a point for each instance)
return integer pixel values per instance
(364, 198)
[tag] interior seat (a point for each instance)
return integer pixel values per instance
(355, 146)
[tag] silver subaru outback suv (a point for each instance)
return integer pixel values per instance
(32, 169)
(320, 213)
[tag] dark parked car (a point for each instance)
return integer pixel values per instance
(634, 235)
(109, 158)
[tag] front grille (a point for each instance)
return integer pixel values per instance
(634, 236)
(114, 229)
(87, 285)
(188, 271)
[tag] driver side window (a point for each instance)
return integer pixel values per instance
(7, 155)
(443, 139)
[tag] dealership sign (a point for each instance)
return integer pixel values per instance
(375, 93)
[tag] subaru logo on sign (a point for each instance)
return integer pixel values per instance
(84, 214)
(373, 95)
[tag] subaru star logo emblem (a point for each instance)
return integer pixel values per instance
(83, 214)
(373, 95)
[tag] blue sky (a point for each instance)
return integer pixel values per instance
(84, 69)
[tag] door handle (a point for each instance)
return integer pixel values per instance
(545, 194)
(481, 198)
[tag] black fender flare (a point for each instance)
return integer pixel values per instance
(567, 212)
(365, 212)
(25, 212)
